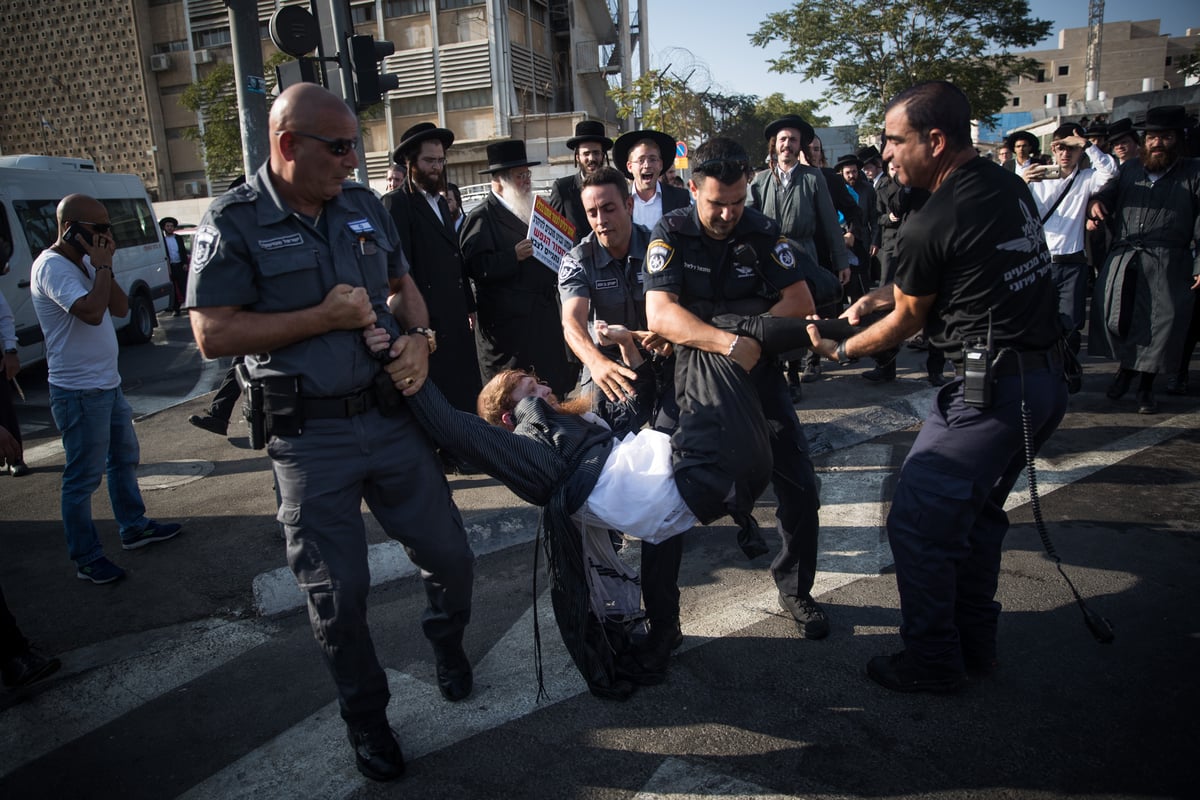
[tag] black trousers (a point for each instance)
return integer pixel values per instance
(12, 643)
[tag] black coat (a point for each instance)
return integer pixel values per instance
(566, 198)
(673, 197)
(438, 270)
(519, 321)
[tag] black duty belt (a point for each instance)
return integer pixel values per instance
(1029, 361)
(350, 405)
(1070, 258)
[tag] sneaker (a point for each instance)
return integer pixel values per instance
(377, 754)
(26, 668)
(153, 532)
(100, 571)
(810, 617)
(210, 423)
(900, 673)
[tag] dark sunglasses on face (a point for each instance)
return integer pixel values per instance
(98, 227)
(338, 147)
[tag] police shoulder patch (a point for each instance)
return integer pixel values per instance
(783, 254)
(658, 255)
(205, 247)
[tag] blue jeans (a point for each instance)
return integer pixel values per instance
(98, 438)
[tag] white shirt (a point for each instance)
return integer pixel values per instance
(173, 254)
(79, 356)
(1065, 227)
(785, 174)
(432, 199)
(648, 212)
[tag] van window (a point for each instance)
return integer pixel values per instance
(132, 221)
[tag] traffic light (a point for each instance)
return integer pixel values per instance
(370, 84)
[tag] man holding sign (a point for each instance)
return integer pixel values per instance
(518, 318)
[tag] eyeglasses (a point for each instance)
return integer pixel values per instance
(523, 175)
(338, 147)
(646, 160)
(99, 227)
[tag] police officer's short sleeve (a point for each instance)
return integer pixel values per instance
(572, 279)
(662, 269)
(780, 268)
(221, 273)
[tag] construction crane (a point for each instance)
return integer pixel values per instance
(1091, 64)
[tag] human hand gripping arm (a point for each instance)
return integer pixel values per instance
(409, 364)
(675, 323)
(612, 378)
(907, 318)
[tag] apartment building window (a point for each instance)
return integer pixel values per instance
(411, 106)
(1064, 69)
(164, 2)
(361, 15)
(517, 5)
(1062, 101)
(177, 46)
(1041, 76)
(1016, 102)
(405, 8)
(213, 38)
(450, 5)
(1168, 62)
(472, 98)
(537, 11)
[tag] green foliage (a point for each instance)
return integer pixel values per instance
(748, 126)
(870, 50)
(214, 98)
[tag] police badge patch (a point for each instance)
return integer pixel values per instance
(658, 255)
(783, 254)
(205, 247)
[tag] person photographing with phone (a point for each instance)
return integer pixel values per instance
(75, 296)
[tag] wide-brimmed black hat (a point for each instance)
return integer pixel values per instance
(1096, 129)
(1122, 127)
(1165, 118)
(1069, 129)
(162, 223)
(868, 154)
(506, 155)
(807, 134)
(1012, 140)
(848, 160)
(421, 132)
(590, 130)
(626, 141)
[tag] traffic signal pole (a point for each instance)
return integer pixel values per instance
(251, 88)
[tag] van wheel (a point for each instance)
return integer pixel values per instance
(141, 320)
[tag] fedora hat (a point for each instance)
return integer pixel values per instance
(421, 132)
(1165, 118)
(848, 160)
(1120, 128)
(1069, 129)
(590, 130)
(1012, 140)
(807, 134)
(868, 154)
(1096, 129)
(626, 141)
(506, 155)
(162, 223)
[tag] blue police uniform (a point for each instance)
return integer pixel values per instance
(977, 244)
(253, 251)
(743, 275)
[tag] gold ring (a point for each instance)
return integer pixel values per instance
(409, 381)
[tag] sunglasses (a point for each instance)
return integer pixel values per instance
(338, 147)
(98, 227)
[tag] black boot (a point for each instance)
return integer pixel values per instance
(454, 676)
(1120, 384)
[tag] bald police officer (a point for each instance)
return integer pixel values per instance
(292, 266)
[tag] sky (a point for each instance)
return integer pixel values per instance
(687, 40)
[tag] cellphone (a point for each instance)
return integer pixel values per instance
(1052, 172)
(74, 234)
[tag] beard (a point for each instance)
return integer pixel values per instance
(1159, 159)
(430, 182)
(520, 199)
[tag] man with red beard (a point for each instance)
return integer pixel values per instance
(591, 148)
(1146, 302)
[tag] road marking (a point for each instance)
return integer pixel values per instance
(676, 778)
(75, 708)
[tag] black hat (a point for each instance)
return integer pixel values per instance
(1012, 140)
(1120, 128)
(506, 155)
(162, 223)
(868, 154)
(807, 134)
(1165, 118)
(1097, 129)
(847, 160)
(626, 142)
(422, 131)
(1069, 129)
(590, 130)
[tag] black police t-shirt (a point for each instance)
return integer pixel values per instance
(978, 245)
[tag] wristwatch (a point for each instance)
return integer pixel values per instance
(428, 333)
(842, 357)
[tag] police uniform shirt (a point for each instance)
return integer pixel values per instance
(978, 244)
(612, 286)
(712, 276)
(255, 252)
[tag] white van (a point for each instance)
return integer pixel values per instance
(30, 190)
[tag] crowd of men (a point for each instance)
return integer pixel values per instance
(922, 240)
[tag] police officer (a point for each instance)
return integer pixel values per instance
(972, 268)
(601, 280)
(720, 257)
(292, 266)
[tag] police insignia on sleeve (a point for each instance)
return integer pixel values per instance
(783, 254)
(205, 247)
(658, 255)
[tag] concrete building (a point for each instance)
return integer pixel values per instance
(1134, 57)
(103, 80)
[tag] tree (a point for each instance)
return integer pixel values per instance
(214, 98)
(870, 50)
(673, 107)
(1189, 65)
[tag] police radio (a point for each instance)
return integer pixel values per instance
(977, 371)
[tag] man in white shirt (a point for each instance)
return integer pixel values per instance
(1062, 190)
(641, 155)
(74, 293)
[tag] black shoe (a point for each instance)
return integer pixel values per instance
(1176, 385)
(1146, 402)
(454, 676)
(210, 423)
(881, 374)
(18, 469)
(812, 372)
(1120, 384)
(900, 673)
(652, 655)
(26, 668)
(937, 379)
(376, 751)
(810, 617)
